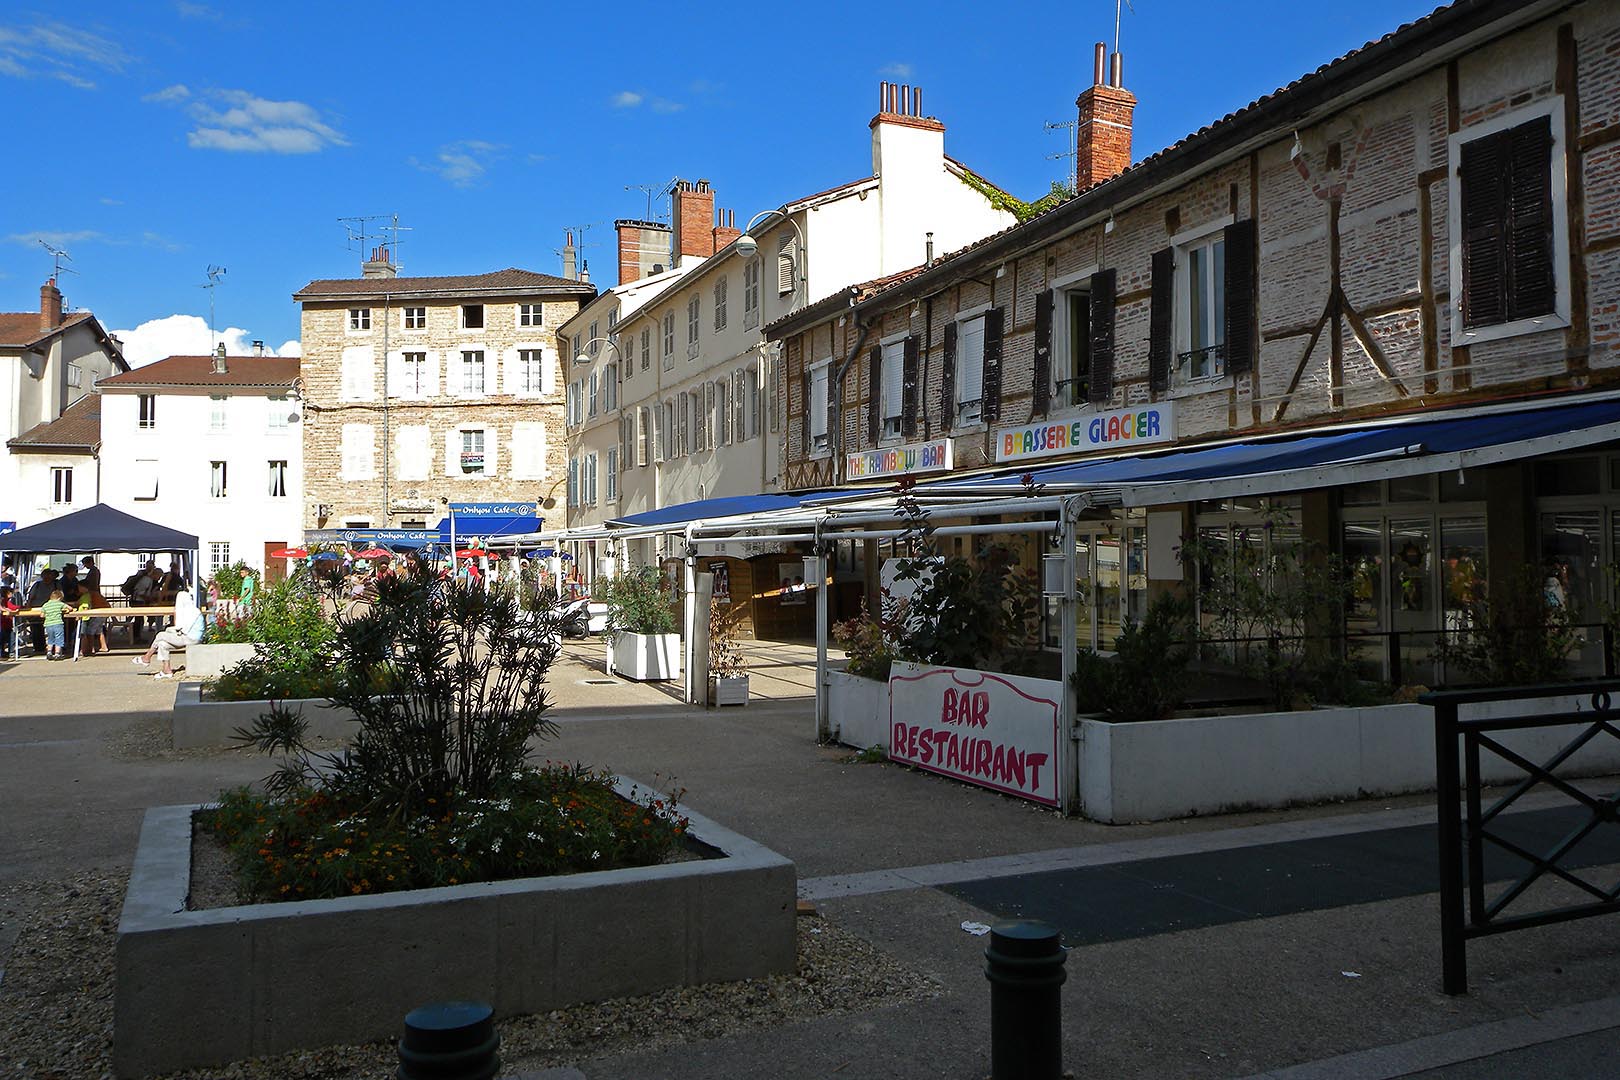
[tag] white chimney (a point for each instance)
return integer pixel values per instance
(219, 359)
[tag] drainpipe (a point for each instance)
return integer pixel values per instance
(838, 402)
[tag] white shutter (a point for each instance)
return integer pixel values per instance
(430, 377)
(359, 452)
(359, 374)
(452, 374)
(412, 456)
(146, 480)
(970, 361)
(492, 451)
(548, 371)
(511, 373)
(894, 378)
(395, 371)
(784, 264)
(452, 452)
(818, 401)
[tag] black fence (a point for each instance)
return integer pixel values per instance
(1470, 830)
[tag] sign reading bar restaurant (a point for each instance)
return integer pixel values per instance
(996, 731)
(477, 509)
(1121, 429)
(899, 460)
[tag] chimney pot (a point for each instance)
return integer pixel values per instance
(1099, 64)
(258, 348)
(219, 359)
(1117, 79)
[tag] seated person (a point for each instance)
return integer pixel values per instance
(187, 630)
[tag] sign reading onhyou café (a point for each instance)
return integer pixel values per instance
(479, 509)
(996, 731)
(899, 460)
(1121, 429)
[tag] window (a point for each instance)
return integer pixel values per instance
(530, 315)
(751, 294)
(719, 418)
(669, 340)
(1507, 227)
(819, 376)
(75, 377)
(415, 380)
(219, 556)
(666, 431)
(278, 479)
(359, 318)
(472, 452)
(279, 409)
(700, 423)
(646, 347)
(1202, 289)
(593, 385)
(692, 328)
(644, 445)
(613, 474)
(1072, 349)
(62, 486)
(720, 291)
(217, 477)
(416, 318)
(969, 370)
(577, 345)
(893, 390)
(148, 404)
(610, 387)
(590, 480)
(784, 264)
(472, 316)
(683, 423)
(216, 412)
(751, 399)
(145, 486)
(531, 368)
(472, 372)
(595, 345)
(739, 407)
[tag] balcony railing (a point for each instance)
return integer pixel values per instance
(1206, 363)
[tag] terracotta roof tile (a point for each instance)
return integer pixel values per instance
(20, 329)
(244, 371)
(510, 280)
(79, 428)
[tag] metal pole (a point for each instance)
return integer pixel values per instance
(823, 624)
(1024, 963)
(1453, 947)
(1069, 745)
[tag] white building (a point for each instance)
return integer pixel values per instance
(209, 445)
(48, 361)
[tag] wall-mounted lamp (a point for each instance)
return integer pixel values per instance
(1108, 226)
(1001, 271)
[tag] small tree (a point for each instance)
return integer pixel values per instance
(726, 660)
(1147, 679)
(1515, 637)
(962, 614)
(637, 603)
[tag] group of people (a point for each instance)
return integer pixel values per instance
(76, 587)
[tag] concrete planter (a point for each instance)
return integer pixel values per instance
(210, 661)
(1217, 764)
(859, 709)
(272, 978)
(196, 722)
(648, 657)
(729, 691)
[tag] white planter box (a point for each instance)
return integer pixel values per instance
(859, 710)
(210, 661)
(196, 722)
(1219, 764)
(272, 978)
(649, 657)
(730, 691)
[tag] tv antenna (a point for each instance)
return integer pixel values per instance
(214, 274)
(358, 229)
(1072, 153)
(58, 255)
(649, 191)
(1117, 4)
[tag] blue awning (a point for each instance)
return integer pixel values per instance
(488, 527)
(722, 507)
(1291, 463)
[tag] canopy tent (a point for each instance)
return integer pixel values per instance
(98, 529)
(486, 527)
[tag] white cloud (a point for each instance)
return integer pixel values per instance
(240, 121)
(663, 105)
(107, 200)
(59, 238)
(187, 335)
(626, 99)
(168, 95)
(464, 162)
(896, 70)
(188, 10)
(56, 50)
(631, 99)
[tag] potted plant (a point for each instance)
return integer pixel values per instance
(728, 668)
(641, 626)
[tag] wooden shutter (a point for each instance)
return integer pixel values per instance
(1532, 283)
(1161, 319)
(1101, 383)
(1483, 179)
(991, 390)
(1043, 354)
(1242, 247)
(909, 389)
(874, 392)
(947, 380)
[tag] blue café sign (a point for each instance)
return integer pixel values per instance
(482, 510)
(7, 527)
(372, 536)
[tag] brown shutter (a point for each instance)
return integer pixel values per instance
(991, 407)
(874, 390)
(1043, 354)
(1532, 283)
(1483, 175)
(947, 380)
(1242, 247)
(909, 390)
(1101, 383)
(1161, 319)
(804, 384)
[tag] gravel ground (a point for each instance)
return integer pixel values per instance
(56, 998)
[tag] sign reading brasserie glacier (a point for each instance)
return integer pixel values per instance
(899, 460)
(1121, 429)
(996, 731)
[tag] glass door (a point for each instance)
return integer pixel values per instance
(1363, 547)
(1412, 602)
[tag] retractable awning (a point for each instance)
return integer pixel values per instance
(1321, 459)
(488, 527)
(724, 506)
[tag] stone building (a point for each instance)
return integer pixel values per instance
(1249, 336)
(421, 391)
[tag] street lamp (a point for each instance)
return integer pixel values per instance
(747, 246)
(584, 357)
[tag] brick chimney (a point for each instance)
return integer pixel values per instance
(50, 305)
(1103, 138)
(725, 228)
(379, 265)
(694, 219)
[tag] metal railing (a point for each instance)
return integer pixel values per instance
(1211, 357)
(1468, 828)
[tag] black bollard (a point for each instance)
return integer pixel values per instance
(450, 1040)
(1024, 963)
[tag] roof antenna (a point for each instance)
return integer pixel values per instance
(1127, 3)
(214, 274)
(58, 255)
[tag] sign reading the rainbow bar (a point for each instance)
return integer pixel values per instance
(899, 460)
(1121, 429)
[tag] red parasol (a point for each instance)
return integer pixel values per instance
(373, 553)
(289, 553)
(471, 553)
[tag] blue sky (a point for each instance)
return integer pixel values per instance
(154, 139)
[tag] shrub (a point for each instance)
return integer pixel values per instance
(228, 580)
(638, 604)
(1147, 679)
(288, 612)
(726, 660)
(973, 615)
(870, 649)
(1514, 637)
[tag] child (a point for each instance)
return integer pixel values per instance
(52, 610)
(8, 605)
